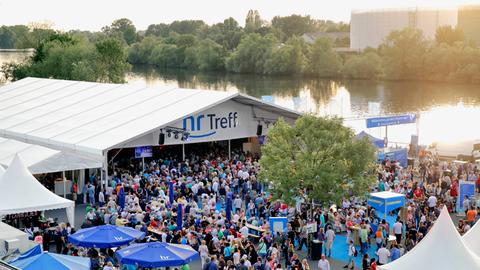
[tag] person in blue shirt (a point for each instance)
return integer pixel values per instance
(381, 186)
(395, 252)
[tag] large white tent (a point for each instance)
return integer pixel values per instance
(95, 117)
(20, 192)
(15, 237)
(41, 159)
(472, 239)
(441, 249)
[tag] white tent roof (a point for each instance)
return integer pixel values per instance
(93, 117)
(8, 232)
(441, 249)
(2, 170)
(21, 192)
(472, 238)
(41, 159)
(386, 195)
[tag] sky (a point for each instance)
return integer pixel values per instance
(94, 14)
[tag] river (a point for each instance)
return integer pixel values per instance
(448, 112)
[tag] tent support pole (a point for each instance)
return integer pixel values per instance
(64, 185)
(105, 168)
(183, 151)
(229, 150)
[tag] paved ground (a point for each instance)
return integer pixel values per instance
(80, 216)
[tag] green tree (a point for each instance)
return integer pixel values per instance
(122, 28)
(287, 59)
(210, 55)
(158, 30)
(186, 26)
(318, 155)
(253, 21)
(165, 55)
(449, 35)
(365, 66)
(294, 25)
(63, 57)
(112, 60)
(322, 60)
(251, 54)
(140, 52)
(403, 54)
(7, 38)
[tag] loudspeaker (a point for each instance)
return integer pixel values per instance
(161, 139)
(259, 130)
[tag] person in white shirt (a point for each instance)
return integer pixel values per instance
(323, 264)
(329, 237)
(383, 254)
(244, 231)
(397, 230)
(432, 201)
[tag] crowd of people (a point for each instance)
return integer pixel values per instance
(244, 240)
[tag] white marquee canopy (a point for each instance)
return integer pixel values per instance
(441, 249)
(20, 192)
(472, 238)
(41, 159)
(94, 117)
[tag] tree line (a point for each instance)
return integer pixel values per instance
(260, 47)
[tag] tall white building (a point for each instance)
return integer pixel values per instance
(369, 28)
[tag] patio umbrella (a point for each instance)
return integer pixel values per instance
(37, 249)
(121, 198)
(171, 192)
(179, 216)
(52, 261)
(157, 254)
(228, 209)
(105, 236)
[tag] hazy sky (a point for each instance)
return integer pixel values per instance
(93, 14)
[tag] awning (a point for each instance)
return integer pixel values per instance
(41, 159)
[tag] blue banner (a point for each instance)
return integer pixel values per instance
(391, 120)
(143, 151)
(465, 189)
(278, 224)
(400, 155)
(267, 99)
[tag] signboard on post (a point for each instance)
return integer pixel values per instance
(465, 188)
(278, 224)
(400, 155)
(391, 120)
(143, 152)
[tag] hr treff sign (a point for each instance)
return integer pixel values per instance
(205, 125)
(391, 120)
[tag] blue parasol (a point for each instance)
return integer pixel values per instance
(52, 261)
(105, 236)
(157, 254)
(37, 249)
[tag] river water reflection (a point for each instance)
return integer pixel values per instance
(448, 112)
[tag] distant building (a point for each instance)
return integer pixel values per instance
(370, 28)
(469, 22)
